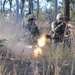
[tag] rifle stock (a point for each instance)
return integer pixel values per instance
(48, 36)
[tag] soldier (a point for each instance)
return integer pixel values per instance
(61, 31)
(57, 30)
(31, 29)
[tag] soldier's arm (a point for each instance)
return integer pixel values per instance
(53, 26)
(59, 26)
(52, 31)
(37, 30)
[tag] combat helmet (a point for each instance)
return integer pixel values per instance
(31, 16)
(59, 16)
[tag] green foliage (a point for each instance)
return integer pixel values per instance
(2, 42)
(72, 15)
(73, 1)
(49, 0)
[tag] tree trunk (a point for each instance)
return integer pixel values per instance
(4, 6)
(17, 11)
(10, 1)
(22, 7)
(56, 8)
(66, 9)
(37, 8)
(30, 7)
(1, 6)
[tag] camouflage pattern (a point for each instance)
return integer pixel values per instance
(61, 32)
(59, 16)
(31, 33)
(31, 16)
(33, 29)
(57, 30)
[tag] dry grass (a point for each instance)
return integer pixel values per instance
(8, 28)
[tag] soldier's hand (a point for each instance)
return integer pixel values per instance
(66, 36)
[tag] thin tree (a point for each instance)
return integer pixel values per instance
(17, 11)
(22, 8)
(4, 6)
(66, 9)
(56, 7)
(37, 8)
(30, 8)
(10, 2)
(1, 5)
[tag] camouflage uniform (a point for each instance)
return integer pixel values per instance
(31, 30)
(57, 30)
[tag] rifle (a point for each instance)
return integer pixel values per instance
(48, 36)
